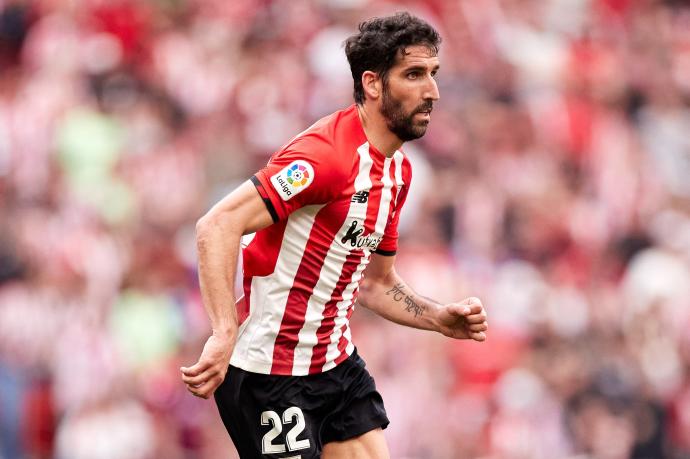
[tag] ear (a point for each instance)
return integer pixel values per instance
(372, 85)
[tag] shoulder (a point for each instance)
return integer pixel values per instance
(313, 152)
(324, 145)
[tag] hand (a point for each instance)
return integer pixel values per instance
(464, 320)
(204, 377)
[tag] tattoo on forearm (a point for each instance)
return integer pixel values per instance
(398, 292)
(413, 307)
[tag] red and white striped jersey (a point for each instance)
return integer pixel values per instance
(334, 200)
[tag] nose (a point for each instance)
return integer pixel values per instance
(431, 90)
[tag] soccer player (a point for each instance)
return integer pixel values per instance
(320, 224)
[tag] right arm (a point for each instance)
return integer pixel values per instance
(244, 211)
(218, 236)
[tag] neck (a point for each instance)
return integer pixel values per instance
(376, 130)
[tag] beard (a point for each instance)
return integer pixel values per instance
(399, 122)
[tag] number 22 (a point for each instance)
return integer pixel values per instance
(271, 417)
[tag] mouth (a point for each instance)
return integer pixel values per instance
(425, 108)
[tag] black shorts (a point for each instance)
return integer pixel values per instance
(270, 416)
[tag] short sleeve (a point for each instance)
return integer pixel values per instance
(303, 173)
(389, 243)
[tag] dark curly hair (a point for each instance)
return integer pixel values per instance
(378, 42)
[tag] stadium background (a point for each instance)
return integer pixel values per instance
(554, 183)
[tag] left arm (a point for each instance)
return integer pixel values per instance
(385, 293)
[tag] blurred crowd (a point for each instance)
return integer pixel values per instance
(553, 183)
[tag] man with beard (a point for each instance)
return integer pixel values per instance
(324, 208)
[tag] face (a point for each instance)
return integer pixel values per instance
(409, 93)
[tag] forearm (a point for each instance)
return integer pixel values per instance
(218, 248)
(393, 299)
(218, 236)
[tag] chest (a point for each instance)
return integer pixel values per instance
(360, 215)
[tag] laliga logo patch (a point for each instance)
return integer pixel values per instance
(294, 178)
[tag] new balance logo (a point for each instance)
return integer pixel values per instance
(360, 197)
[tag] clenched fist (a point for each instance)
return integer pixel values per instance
(463, 320)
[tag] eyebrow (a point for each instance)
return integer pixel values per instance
(421, 68)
